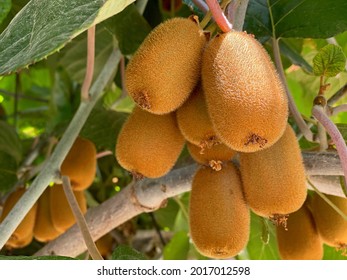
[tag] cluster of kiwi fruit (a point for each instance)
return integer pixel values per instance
(314, 224)
(51, 215)
(222, 97)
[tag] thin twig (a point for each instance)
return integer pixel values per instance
(338, 109)
(90, 64)
(338, 95)
(81, 222)
(103, 154)
(322, 136)
(335, 134)
(292, 107)
(219, 16)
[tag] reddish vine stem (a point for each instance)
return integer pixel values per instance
(219, 16)
(81, 222)
(90, 64)
(319, 114)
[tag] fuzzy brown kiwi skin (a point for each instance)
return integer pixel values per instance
(246, 101)
(194, 121)
(331, 226)
(80, 164)
(149, 144)
(274, 179)
(218, 214)
(23, 234)
(166, 67)
(301, 240)
(61, 214)
(44, 230)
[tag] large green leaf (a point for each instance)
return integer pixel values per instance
(178, 247)
(130, 29)
(296, 18)
(103, 126)
(9, 141)
(43, 27)
(8, 172)
(5, 7)
(262, 243)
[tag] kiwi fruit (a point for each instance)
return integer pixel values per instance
(331, 226)
(194, 121)
(80, 164)
(218, 214)
(301, 240)
(213, 157)
(23, 234)
(245, 99)
(148, 144)
(105, 245)
(166, 67)
(61, 214)
(274, 180)
(44, 229)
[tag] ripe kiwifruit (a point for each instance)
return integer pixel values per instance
(274, 179)
(213, 157)
(194, 121)
(149, 145)
(80, 164)
(61, 214)
(104, 245)
(246, 101)
(166, 67)
(44, 229)
(300, 241)
(219, 216)
(23, 234)
(331, 226)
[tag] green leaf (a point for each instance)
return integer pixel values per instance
(43, 27)
(166, 216)
(331, 253)
(5, 7)
(8, 172)
(102, 127)
(329, 61)
(130, 29)
(296, 18)
(257, 248)
(178, 247)
(20, 258)
(9, 141)
(290, 50)
(123, 252)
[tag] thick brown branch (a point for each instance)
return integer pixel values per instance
(149, 195)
